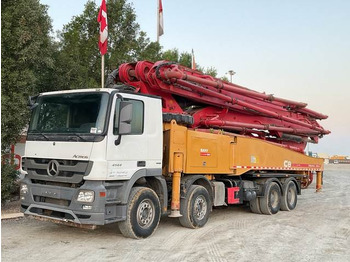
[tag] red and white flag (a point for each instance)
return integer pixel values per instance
(160, 18)
(102, 19)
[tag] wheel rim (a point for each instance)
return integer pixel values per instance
(200, 207)
(291, 196)
(145, 213)
(274, 199)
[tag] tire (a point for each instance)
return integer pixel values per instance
(142, 215)
(271, 202)
(290, 196)
(195, 208)
(255, 206)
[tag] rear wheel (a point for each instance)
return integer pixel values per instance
(143, 213)
(195, 207)
(290, 196)
(271, 202)
(255, 206)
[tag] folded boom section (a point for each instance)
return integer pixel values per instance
(214, 103)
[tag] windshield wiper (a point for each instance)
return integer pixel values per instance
(79, 136)
(38, 133)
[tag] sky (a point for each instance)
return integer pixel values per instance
(295, 49)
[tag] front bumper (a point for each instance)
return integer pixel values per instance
(59, 203)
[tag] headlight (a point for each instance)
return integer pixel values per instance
(24, 189)
(86, 196)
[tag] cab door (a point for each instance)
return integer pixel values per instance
(140, 147)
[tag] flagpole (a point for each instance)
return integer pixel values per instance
(102, 71)
(103, 41)
(157, 21)
(193, 62)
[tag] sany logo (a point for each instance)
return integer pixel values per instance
(204, 152)
(287, 163)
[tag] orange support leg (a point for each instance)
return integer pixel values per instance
(175, 199)
(319, 181)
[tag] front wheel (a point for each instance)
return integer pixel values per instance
(195, 208)
(143, 213)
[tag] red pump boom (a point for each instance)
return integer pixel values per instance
(213, 103)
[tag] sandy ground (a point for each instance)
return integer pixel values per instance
(11, 207)
(317, 230)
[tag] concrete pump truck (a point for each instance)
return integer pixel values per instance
(169, 140)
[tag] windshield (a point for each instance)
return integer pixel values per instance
(83, 113)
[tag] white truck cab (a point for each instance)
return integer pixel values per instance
(86, 149)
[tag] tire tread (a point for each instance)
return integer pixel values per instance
(284, 202)
(255, 206)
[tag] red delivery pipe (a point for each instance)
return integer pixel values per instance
(176, 73)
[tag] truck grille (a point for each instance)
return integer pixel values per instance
(56, 170)
(57, 184)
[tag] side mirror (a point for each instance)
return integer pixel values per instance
(125, 118)
(32, 102)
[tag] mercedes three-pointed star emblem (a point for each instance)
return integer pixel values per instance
(52, 168)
